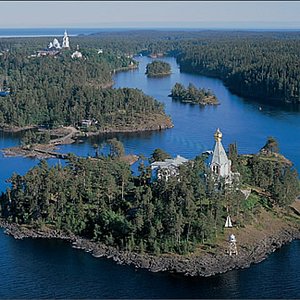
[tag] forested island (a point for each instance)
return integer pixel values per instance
(193, 95)
(172, 225)
(158, 68)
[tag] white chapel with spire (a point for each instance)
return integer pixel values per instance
(220, 164)
(65, 43)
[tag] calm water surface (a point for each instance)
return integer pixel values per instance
(47, 269)
(239, 120)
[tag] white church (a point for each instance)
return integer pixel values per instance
(56, 45)
(220, 165)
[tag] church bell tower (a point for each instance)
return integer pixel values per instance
(66, 43)
(220, 164)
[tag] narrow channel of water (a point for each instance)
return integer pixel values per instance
(51, 268)
(239, 120)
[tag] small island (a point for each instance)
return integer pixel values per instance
(193, 95)
(158, 68)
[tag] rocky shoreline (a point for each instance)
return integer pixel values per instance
(154, 126)
(44, 151)
(209, 100)
(206, 263)
(157, 75)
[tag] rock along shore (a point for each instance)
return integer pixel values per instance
(69, 134)
(205, 263)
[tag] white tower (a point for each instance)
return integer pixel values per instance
(220, 164)
(65, 43)
(232, 245)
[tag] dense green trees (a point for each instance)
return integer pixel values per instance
(109, 107)
(257, 67)
(99, 198)
(262, 65)
(63, 92)
(158, 68)
(32, 137)
(57, 91)
(159, 155)
(193, 95)
(269, 171)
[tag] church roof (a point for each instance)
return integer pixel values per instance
(219, 155)
(169, 162)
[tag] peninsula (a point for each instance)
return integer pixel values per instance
(173, 222)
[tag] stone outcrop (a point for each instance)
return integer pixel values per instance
(205, 263)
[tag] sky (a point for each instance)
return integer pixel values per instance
(145, 14)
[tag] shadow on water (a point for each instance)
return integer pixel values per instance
(276, 106)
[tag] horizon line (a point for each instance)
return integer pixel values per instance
(152, 28)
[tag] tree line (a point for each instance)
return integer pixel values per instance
(265, 69)
(263, 65)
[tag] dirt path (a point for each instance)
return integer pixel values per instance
(66, 139)
(43, 151)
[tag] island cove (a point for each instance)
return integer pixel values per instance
(42, 143)
(171, 223)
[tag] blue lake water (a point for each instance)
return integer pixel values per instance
(47, 269)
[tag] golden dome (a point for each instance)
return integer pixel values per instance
(218, 135)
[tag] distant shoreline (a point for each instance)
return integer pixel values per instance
(33, 35)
